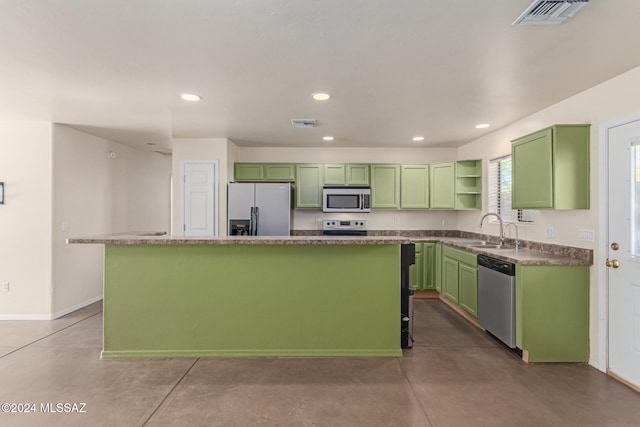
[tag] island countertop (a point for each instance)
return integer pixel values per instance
(155, 239)
(522, 256)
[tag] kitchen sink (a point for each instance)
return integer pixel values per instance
(490, 246)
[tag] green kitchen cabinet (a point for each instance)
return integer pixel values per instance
(450, 278)
(248, 172)
(416, 270)
(422, 273)
(279, 172)
(264, 172)
(385, 186)
(552, 313)
(468, 185)
(309, 180)
(468, 297)
(346, 174)
(414, 187)
(551, 168)
(442, 185)
(460, 278)
(438, 267)
(428, 266)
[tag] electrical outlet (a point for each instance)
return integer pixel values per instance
(396, 220)
(587, 235)
(550, 232)
(5, 286)
(445, 222)
(64, 227)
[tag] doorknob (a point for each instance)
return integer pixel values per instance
(612, 263)
(615, 246)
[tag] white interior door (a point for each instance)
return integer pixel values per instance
(624, 251)
(199, 202)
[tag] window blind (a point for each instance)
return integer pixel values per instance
(500, 185)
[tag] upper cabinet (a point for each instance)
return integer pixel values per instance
(385, 186)
(551, 168)
(248, 172)
(456, 185)
(442, 185)
(414, 187)
(264, 172)
(346, 174)
(448, 185)
(468, 184)
(309, 185)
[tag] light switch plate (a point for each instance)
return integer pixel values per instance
(587, 235)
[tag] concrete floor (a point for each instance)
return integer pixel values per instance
(454, 376)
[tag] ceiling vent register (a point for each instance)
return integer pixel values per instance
(303, 123)
(545, 12)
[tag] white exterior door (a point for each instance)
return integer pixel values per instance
(624, 251)
(199, 202)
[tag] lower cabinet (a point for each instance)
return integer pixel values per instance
(552, 313)
(422, 275)
(460, 278)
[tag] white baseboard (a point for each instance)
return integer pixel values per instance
(50, 316)
(76, 307)
(596, 364)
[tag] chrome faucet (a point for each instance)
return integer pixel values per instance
(516, 227)
(501, 237)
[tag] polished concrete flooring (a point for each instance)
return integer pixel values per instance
(455, 375)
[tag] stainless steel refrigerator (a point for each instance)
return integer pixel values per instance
(260, 209)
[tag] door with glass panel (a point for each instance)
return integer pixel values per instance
(623, 262)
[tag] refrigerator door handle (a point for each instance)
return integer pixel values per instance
(251, 222)
(256, 221)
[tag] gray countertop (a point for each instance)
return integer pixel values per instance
(522, 256)
(147, 239)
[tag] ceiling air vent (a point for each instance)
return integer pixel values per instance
(303, 123)
(545, 12)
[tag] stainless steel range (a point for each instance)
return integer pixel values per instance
(350, 227)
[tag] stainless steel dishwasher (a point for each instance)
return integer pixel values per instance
(497, 298)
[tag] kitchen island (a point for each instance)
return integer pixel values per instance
(250, 296)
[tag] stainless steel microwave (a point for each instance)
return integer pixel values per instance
(346, 199)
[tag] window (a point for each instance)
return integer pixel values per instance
(500, 192)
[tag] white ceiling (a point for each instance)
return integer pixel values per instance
(395, 68)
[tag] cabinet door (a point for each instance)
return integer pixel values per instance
(385, 186)
(416, 272)
(468, 285)
(414, 187)
(357, 174)
(438, 267)
(532, 174)
(450, 273)
(279, 172)
(334, 174)
(309, 178)
(442, 185)
(428, 266)
(248, 172)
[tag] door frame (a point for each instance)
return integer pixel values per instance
(603, 245)
(216, 193)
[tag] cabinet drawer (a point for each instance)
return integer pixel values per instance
(465, 257)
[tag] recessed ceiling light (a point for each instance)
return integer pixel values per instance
(320, 96)
(418, 138)
(327, 138)
(482, 126)
(190, 97)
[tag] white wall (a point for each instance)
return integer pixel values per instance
(94, 195)
(378, 219)
(615, 98)
(25, 219)
(200, 149)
